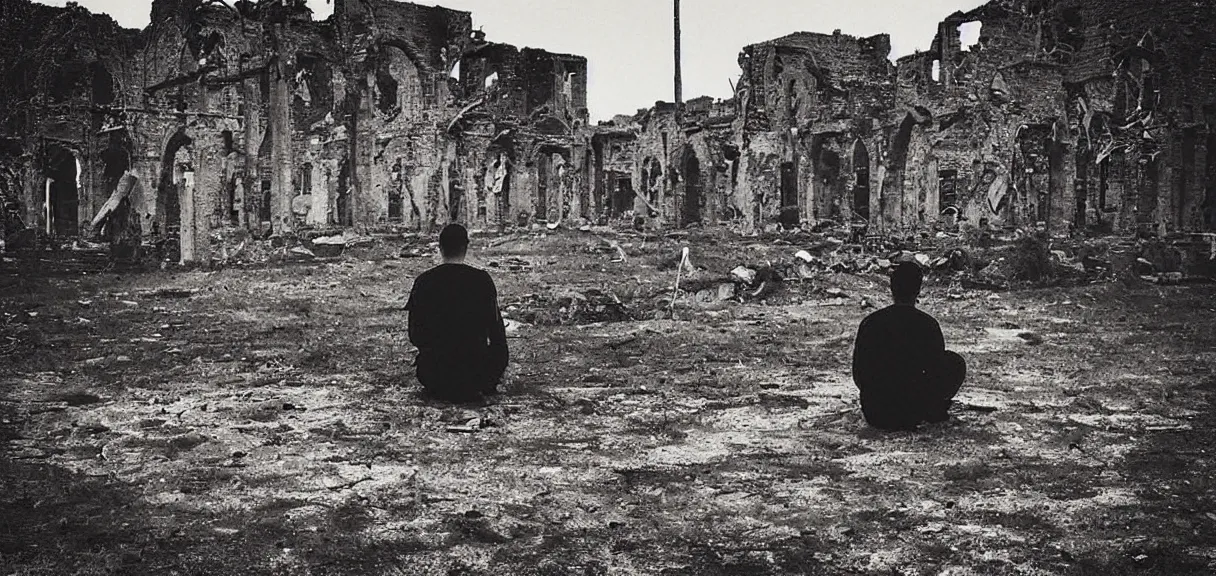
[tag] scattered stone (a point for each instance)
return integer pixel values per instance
(468, 427)
(1031, 338)
(302, 252)
(744, 274)
(187, 442)
(173, 293)
(78, 399)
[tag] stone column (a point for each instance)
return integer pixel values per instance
(281, 191)
(188, 229)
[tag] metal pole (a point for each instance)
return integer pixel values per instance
(679, 75)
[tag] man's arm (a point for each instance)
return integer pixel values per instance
(496, 332)
(937, 338)
(864, 357)
(419, 326)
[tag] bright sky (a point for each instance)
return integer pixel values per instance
(628, 43)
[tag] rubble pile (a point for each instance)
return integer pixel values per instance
(569, 308)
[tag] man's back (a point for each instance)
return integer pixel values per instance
(455, 323)
(896, 357)
(451, 306)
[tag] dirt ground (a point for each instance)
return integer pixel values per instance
(265, 420)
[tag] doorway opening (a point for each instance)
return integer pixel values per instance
(62, 193)
(790, 217)
(622, 198)
(861, 189)
(692, 189)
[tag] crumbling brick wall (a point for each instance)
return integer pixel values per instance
(254, 115)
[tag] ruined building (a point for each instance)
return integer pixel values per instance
(1094, 115)
(1078, 114)
(255, 116)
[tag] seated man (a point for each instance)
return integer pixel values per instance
(900, 362)
(456, 325)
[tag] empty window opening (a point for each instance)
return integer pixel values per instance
(306, 179)
(103, 84)
(790, 100)
(386, 88)
(491, 80)
(947, 189)
(456, 191)
(264, 210)
(937, 71)
(455, 73)
(969, 34)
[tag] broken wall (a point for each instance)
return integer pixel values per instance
(807, 101)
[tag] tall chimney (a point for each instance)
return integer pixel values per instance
(679, 74)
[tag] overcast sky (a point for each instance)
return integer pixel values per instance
(628, 43)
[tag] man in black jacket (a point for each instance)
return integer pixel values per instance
(456, 325)
(900, 362)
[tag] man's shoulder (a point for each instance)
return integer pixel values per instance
(426, 276)
(482, 275)
(925, 316)
(879, 315)
(898, 313)
(455, 272)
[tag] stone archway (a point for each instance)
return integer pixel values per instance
(62, 201)
(892, 201)
(173, 170)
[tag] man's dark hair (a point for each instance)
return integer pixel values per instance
(453, 241)
(906, 281)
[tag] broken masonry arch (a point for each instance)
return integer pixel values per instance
(892, 199)
(388, 86)
(168, 189)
